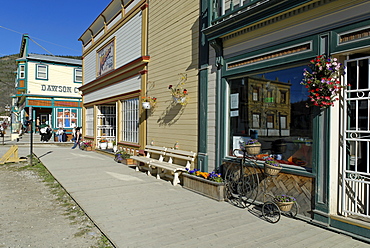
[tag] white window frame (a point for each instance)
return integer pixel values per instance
(69, 121)
(130, 120)
(89, 122)
(41, 74)
(78, 75)
(22, 71)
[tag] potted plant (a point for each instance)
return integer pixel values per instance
(284, 202)
(114, 142)
(204, 183)
(103, 143)
(179, 94)
(252, 147)
(86, 145)
(123, 157)
(272, 167)
(322, 81)
(149, 102)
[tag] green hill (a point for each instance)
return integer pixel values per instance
(7, 79)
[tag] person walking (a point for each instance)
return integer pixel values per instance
(77, 138)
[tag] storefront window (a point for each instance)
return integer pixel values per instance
(66, 117)
(272, 108)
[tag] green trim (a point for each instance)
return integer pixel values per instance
(244, 18)
(203, 120)
(308, 54)
(357, 43)
(350, 226)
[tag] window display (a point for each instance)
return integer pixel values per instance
(272, 107)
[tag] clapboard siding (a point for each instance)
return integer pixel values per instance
(128, 47)
(133, 4)
(89, 68)
(129, 41)
(120, 88)
(58, 75)
(211, 115)
(173, 48)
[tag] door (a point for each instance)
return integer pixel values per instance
(356, 161)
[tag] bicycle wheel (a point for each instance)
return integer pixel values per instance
(293, 211)
(232, 177)
(241, 187)
(271, 212)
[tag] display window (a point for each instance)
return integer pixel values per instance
(66, 117)
(271, 107)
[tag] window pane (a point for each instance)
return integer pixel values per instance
(78, 75)
(278, 117)
(42, 71)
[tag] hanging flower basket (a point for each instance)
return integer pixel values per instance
(323, 81)
(179, 94)
(146, 105)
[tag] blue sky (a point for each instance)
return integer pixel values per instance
(54, 25)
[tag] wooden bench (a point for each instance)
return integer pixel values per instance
(175, 162)
(152, 153)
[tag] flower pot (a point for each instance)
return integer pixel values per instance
(253, 149)
(285, 206)
(103, 145)
(115, 148)
(272, 170)
(88, 148)
(213, 190)
(180, 100)
(146, 105)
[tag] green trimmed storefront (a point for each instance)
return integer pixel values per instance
(253, 54)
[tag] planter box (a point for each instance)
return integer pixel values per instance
(127, 161)
(204, 187)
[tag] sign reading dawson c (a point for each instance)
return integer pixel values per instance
(59, 88)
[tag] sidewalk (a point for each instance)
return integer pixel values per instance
(136, 210)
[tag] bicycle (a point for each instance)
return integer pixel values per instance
(241, 182)
(241, 188)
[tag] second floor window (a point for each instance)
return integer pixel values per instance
(78, 76)
(22, 71)
(41, 72)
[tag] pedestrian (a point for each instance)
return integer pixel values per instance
(60, 133)
(73, 134)
(43, 133)
(49, 133)
(77, 138)
(37, 124)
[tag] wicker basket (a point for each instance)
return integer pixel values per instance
(253, 149)
(272, 170)
(285, 206)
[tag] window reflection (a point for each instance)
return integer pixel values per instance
(272, 108)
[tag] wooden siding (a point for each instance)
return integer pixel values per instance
(129, 41)
(39, 103)
(120, 88)
(211, 116)
(127, 47)
(67, 104)
(59, 76)
(173, 46)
